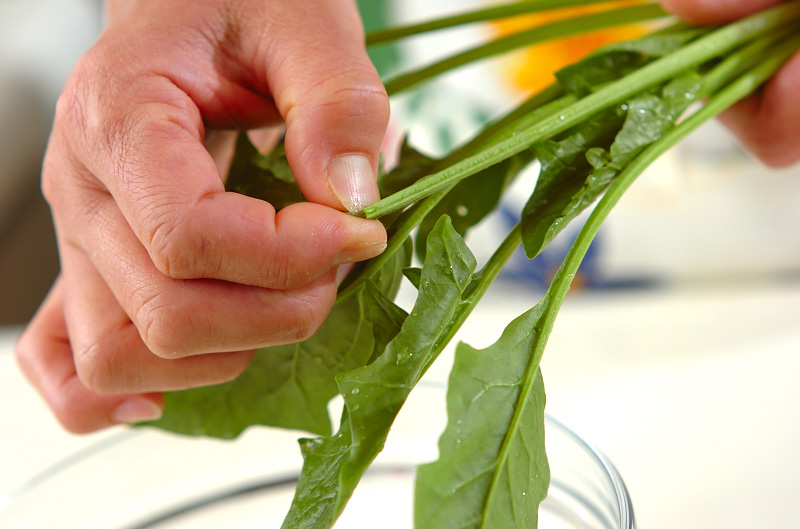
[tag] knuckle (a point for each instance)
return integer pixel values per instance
(363, 99)
(50, 184)
(181, 256)
(166, 331)
(306, 316)
(176, 250)
(372, 100)
(355, 93)
(71, 106)
(93, 364)
(167, 247)
(86, 108)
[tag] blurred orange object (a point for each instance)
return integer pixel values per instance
(532, 69)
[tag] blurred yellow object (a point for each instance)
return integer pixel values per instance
(532, 68)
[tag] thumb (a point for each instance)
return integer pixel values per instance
(333, 102)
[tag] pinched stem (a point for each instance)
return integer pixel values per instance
(705, 48)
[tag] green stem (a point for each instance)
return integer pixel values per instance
(516, 119)
(507, 10)
(699, 51)
(537, 107)
(736, 91)
(545, 32)
(738, 62)
(560, 285)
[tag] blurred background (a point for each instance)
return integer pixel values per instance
(40, 40)
(677, 355)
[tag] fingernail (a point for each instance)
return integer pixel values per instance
(360, 251)
(351, 180)
(136, 410)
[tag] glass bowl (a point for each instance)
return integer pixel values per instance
(147, 479)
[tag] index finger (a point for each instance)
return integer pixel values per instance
(146, 150)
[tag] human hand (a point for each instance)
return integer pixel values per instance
(169, 282)
(767, 123)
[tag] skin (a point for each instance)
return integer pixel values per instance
(168, 281)
(768, 123)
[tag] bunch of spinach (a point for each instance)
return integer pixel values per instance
(593, 132)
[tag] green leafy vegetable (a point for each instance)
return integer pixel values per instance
(576, 170)
(267, 177)
(593, 132)
(474, 198)
(711, 46)
(492, 469)
(374, 394)
(290, 385)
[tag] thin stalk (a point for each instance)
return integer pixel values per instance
(545, 32)
(400, 230)
(707, 47)
(508, 10)
(739, 89)
(501, 126)
(739, 61)
(560, 285)
(537, 107)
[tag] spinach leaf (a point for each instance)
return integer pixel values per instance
(414, 276)
(264, 176)
(389, 275)
(577, 169)
(492, 469)
(474, 197)
(470, 200)
(290, 385)
(374, 394)
(556, 200)
(648, 117)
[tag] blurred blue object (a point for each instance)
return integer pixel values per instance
(538, 272)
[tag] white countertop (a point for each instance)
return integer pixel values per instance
(691, 392)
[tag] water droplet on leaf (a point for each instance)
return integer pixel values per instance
(404, 356)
